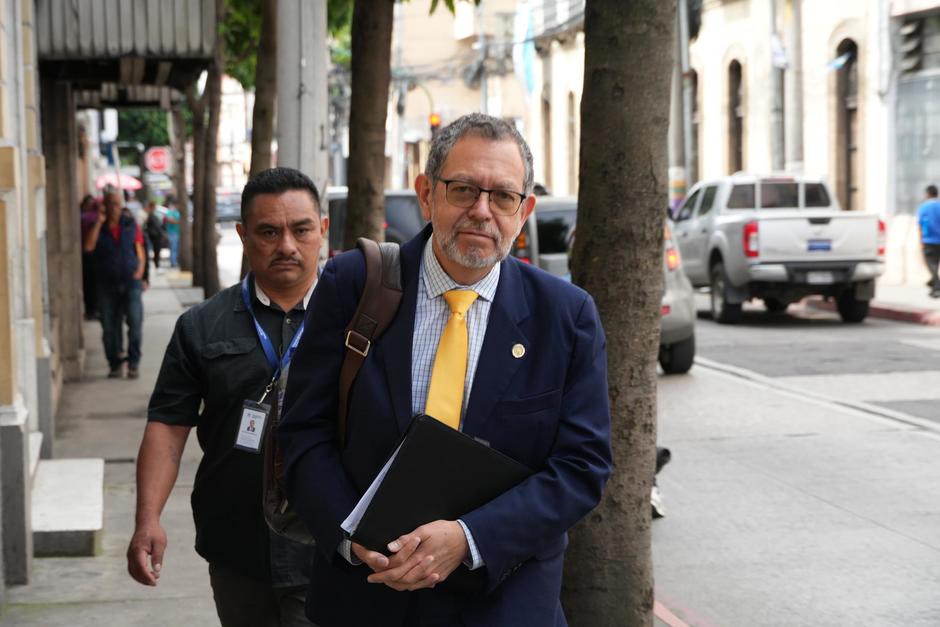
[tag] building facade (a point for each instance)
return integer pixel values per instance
(25, 393)
(870, 80)
(56, 58)
(449, 65)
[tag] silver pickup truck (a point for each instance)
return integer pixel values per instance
(778, 238)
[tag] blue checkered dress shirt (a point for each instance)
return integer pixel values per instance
(431, 316)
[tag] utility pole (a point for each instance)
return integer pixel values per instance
(776, 96)
(481, 43)
(398, 133)
(677, 180)
(685, 67)
(302, 109)
(794, 108)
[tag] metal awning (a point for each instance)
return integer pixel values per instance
(128, 42)
(122, 96)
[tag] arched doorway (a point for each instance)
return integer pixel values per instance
(735, 117)
(846, 153)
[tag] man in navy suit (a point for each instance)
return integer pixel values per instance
(534, 387)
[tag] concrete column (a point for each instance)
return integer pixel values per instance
(687, 95)
(794, 89)
(15, 494)
(34, 206)
(302, 106)
(63, 245)
(776, 101)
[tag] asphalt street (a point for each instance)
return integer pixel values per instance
(805, 482)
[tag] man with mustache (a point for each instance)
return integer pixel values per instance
(220, 374)
(528, 376)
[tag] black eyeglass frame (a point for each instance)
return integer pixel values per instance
(480, 191)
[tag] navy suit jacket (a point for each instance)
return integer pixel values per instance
(547, 409)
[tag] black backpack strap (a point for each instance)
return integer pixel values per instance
(377, 308)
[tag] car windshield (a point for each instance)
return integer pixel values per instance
(555, 227)
(403, 214)
(402, 219)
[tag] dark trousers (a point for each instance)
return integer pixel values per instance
(157, 246)
(89, 284)
(932, 258)
(244, 602)
(115, 306)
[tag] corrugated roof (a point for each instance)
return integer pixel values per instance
(107, 29)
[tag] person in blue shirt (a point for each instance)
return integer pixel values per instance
(928, 217)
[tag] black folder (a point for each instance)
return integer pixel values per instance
(439, 473)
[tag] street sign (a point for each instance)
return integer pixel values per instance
(157, 159)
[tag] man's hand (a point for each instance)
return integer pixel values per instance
(149, 540)
(422, 559)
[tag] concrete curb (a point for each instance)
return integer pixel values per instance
(886, 311)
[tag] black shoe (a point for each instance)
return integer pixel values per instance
(116, 373)
(132, 372)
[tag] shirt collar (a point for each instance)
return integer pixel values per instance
(265, 300)
(437, 281)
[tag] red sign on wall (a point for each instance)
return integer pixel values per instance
(157, 159)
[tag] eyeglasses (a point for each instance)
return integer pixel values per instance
(465, 195)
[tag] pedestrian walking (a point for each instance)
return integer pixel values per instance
(156, 232)
(171, 222)
(928, 217)
(224, 359)
(486, 344)
(91, 208)
(117, 245)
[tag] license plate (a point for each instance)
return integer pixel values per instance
(819, 245)
(819, 278)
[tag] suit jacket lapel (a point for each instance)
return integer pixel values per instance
(497, 363)
(397, 340)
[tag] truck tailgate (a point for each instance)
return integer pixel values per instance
(817, 235)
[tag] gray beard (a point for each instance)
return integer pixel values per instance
(474, 257)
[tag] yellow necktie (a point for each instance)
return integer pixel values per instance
(445, 394)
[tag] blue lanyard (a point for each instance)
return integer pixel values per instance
(276, 365)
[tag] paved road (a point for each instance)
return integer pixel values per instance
(805, 483)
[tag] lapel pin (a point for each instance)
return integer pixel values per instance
(518, 350)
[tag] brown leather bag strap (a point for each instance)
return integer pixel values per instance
(377, 308)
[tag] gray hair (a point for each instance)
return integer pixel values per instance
(482, 125)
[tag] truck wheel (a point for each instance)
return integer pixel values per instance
(775, 305)
(851, 308)
(722, 311)
(677, 358)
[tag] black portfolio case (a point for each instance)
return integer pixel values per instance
(439, 473)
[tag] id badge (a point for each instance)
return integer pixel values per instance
(251, 426)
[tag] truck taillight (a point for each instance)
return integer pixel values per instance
(751, 240)
(882, 237)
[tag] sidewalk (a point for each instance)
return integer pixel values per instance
(903, 303)
(105, 418)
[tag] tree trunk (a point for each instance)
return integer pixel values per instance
(185, 256)
(371, 74)
(262, 115)
(198, 107)
(617, 257)
(210, 261)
